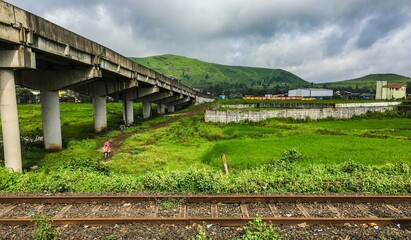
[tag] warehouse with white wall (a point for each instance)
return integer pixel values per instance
(311, 92)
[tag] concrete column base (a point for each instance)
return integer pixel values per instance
(146, 110)
(50, 109)
(161, 108)
(171, 108)
(130, 112)
(10, 120)
(100, 114)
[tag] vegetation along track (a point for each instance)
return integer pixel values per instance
(227, 210)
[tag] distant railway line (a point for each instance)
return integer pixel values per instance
(233, 210)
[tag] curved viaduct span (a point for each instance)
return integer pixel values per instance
(40, 55)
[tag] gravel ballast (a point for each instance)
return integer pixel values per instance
(172, 232)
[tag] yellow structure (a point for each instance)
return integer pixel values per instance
(388, 92)
(61, 93)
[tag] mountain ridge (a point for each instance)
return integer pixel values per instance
(226, 79)
(218, 78)
(372, 78)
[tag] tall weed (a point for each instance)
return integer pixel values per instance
(43, 229)
(258, 230)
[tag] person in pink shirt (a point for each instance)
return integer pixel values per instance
(107, 149)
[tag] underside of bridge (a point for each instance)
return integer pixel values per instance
(40, 55)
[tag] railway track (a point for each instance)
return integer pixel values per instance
(223, 210)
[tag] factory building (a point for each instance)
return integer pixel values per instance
(311, 93)
(388, 92)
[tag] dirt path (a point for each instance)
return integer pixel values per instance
(117, 142)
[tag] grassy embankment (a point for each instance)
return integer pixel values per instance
(360, 155)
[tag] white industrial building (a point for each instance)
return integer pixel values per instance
(388, 92)
(310, 92)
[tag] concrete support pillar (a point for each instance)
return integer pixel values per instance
(161, 108)
(100, 114)
(146, 110)
(9, 120)
(130, 111)
(171, 108)
(50, 111)
(124, 106)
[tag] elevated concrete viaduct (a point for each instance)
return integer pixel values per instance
(40, 55)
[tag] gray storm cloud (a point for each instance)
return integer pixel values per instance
(319, 40)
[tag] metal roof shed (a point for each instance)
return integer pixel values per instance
(310, 92)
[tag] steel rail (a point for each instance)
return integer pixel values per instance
(209, 199)
(219, 221)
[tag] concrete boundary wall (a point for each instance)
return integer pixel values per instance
(372, 104)
(343, 112)
(239, 106)
(307, 105)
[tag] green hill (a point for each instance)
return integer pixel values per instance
(217, 79)
(366, 83)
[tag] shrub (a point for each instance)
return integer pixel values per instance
(55, 184)
(42, 228)
(202, 235)
(270, 178)
(87, 163)
(192, 180)
(7, 179)
(351, 166)
(258, 230)
(292, 155)
(168, 204)
(380, 115)
(111, 237)
(185, 130)
(211, 132)
(396, 168)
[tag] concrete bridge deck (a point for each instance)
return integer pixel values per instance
(41, 55)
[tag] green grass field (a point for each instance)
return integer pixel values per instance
(192, 142)
(166, 158)
(316, 148)
(76, 119)
(246, 146)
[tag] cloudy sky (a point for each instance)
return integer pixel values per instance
(319, 40)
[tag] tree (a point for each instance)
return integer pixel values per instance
(24, 95)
